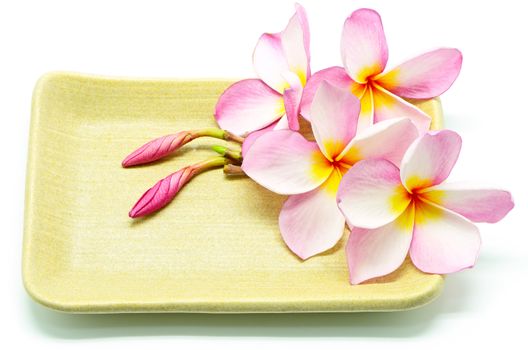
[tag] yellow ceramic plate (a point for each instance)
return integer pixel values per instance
(215, 248)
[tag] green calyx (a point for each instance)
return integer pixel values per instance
(228, 153)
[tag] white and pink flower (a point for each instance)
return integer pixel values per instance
(364, 54)
(282, 63)
(394, 211)
(310, 172)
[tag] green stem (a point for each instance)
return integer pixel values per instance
(218, 134)
(211, 163)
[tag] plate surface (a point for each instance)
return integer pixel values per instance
(215, 248)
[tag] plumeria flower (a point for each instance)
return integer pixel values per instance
(364, 53)
(282, 63)
(286, 163)
(395, 211)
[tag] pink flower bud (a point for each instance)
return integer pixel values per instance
(166, 189)
(162, 192)
(157, 148)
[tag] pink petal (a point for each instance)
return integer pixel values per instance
(363, 45)
(292, 100)
(333, 75)
(378, 252)
(248, 105)
(334, 116)
(425, 76)
(388, 105)
(429, 160)
(476, 204)
(388, 140)
(303, 21)
(296, 44)
(311, 223)
(162, 193)
(371, 195)
(270, 62)
(157, 148)
(443, 241)
(278, 53)
(282, 123)
(286, 163)
(252, 137)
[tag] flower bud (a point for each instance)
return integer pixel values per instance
(165, 145)
(164, 191)
(157, 148)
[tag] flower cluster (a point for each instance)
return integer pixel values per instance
(374, 165)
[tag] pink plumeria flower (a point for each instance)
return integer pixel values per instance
(364, 53)
(282, 62)
(285, 162)
(395, 211)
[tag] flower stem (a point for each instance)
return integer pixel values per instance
(211, 163)
(231, 169)
(218, 134)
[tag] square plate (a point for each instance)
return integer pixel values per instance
(215, 248)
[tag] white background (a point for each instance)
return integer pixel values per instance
(487, 106)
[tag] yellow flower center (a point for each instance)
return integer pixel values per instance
(336, 168)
